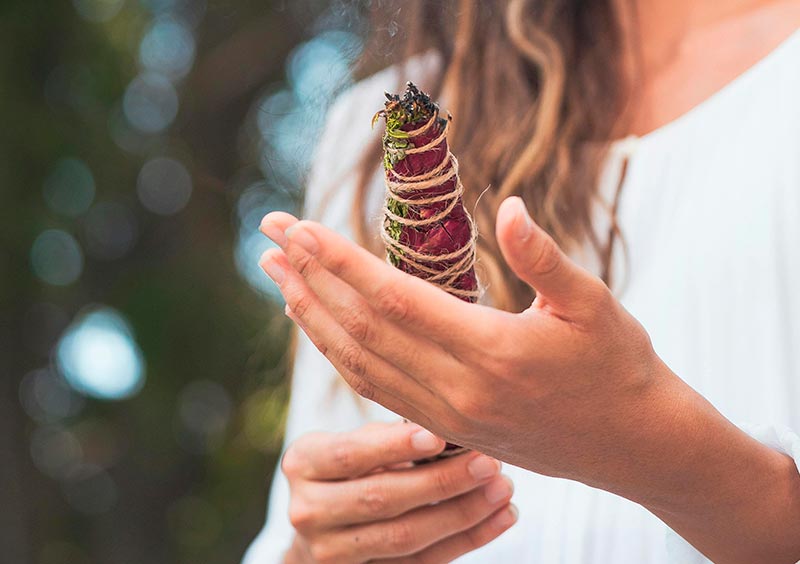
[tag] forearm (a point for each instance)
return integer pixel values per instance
(733, 498)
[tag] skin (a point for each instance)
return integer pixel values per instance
(570, 387)
(586, 398)
(356, 497)
(673, 56)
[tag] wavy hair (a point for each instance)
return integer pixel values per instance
(536, 91)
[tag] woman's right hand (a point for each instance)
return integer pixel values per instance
(356, 497)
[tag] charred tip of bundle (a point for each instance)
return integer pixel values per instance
(413, 105)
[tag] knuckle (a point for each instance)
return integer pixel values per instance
(300, 303)
(501, 360)
(478, 536)
(291, 463)
(363, 388)
(337, 263)
(296, 459)
(445, 483)
(322, 553)
(392, 304)
(400, 537)
(547, 258)
(301, 514)
(374, 500)
(352, 358)
(319, 345)
(342, 455)
(304, 264)
(357, 324)
(467, 509)
(427, 557)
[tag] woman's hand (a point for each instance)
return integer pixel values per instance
(570, 387)
(356, 497)
(564, 388)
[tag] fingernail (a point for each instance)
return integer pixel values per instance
(482, 467)
(524, 223)
(273, 232)
(506, 517)
(425, 441)
(302, 238)
(498, 490)
(273, 271)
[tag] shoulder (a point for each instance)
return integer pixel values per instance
(348, 131)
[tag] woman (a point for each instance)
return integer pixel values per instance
(622, 423)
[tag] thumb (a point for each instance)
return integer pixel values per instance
(537, 260)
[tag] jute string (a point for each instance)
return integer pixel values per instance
(399, 187)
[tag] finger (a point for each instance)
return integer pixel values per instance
(335, 456)
(459, 544)
(420, 528)
(394, 295)
(420, 358)
(536, 259)
(377, 497)
(368, 374)
(275, 224)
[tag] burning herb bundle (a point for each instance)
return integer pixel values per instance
(426, 229)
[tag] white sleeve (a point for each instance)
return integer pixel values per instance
(777, 437)
(320, 399)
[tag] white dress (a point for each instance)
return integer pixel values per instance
(710, 212)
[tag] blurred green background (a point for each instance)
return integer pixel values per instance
(144, 355)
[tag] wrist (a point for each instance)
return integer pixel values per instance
(732, 497)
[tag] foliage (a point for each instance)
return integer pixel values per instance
(142, 485)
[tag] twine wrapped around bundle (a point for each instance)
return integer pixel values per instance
(426, 229)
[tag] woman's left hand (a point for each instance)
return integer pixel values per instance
(565, 388)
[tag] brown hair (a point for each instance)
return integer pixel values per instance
(536, 91)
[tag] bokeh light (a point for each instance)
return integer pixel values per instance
(287, 133)
(255, 202)
(168, 47)
(190, 11)
(204, 411)
(164, 186)
(90, 490)
(56, 257)
(290, 119)
(289, 122)
(110, 231)
(161, 6)
(69, 188)
(99, 357)
(150, 103)
(133, 111)
(261, 412)
(102, 441)
(47, 398)
(97, 10)
(320, 67)
(55, 451)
